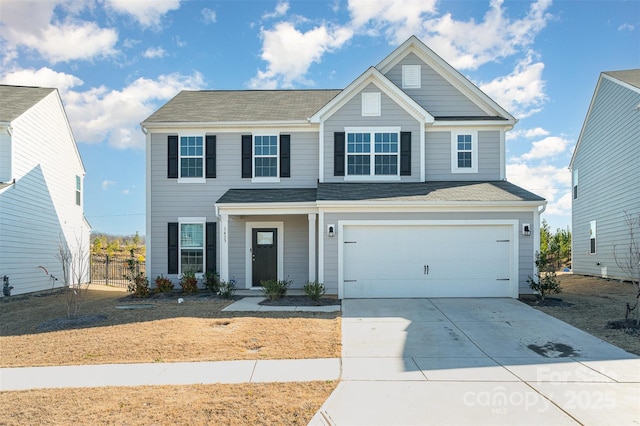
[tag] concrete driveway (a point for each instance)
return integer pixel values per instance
(474, 362)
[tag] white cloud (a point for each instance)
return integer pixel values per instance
(399, 19)
(528, 133)
(32, 25)
(147, 13)
(549, 147)
(209, 16)
(626, 27)
(43, 77)
(552, 183)
(106, 184)
(125, 191)
(289, 53)
(522, 91)
(281, 9)
(100, 114)
(154, 52)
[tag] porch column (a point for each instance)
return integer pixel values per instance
(224, 247)
(312, 247)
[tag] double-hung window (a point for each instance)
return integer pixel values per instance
(372, 151)
(78, 190)
(192, 247)
(191, 157)
(464, 152)
(265, 156)
(592, 237)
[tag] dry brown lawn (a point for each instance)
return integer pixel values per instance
(594, 302)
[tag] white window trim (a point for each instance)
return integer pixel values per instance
(372, 154)
(78, 200)
(190, 221)
(264, 179)
(410, 70)
(371, 104)
(204, 155)
(574, 187)
(474, 152)
(593, 236)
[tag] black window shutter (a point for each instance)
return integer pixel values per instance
(172, 157)
(405, 153)
(246, 156)
(210, 152)
(285, 156)
(172, 245)
(211, 238)
(338, 154)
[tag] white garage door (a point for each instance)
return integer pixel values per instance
(427, 261)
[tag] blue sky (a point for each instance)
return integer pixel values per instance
(116, 61)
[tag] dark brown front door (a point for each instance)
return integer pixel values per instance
(264, 255)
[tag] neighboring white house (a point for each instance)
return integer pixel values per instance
(606, 175)
(41, 191)
(392, 187)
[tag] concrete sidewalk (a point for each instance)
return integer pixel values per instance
(178, 373)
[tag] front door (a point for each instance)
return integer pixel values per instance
(264, 255)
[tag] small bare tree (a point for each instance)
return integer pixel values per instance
(74, 269)
(628, 259)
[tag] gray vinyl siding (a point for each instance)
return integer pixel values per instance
(5, 157)
(526, 249)
(438, 157)
(436, 94)
(350, 115)
(171, 200)
(608, 179)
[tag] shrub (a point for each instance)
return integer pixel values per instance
(545, 282)
(227, 289)
(275, 289)
(211, 281)
(314, 290)
(189, 282)
(139, 286)
(163, 284)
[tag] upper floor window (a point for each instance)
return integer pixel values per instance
(464, 152)
(372, 152)
(411, 77)
(78, 190)
(575, 184)
(191, 157)
(371, 104)
(265, 156)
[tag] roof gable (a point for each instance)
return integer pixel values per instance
(16, 100)
(414, 46)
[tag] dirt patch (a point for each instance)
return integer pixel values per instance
(590, 304)
(241, 404)
(32, 332)
(67, 323)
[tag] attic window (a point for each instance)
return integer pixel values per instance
(371, 104)
(411, 77)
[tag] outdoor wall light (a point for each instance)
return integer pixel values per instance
(526, 229)
(331, 230)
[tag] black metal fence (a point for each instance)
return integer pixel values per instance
(112, 271)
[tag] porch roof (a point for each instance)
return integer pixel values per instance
(279, 195)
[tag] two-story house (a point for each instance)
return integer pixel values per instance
(606, 176)
(41, 192)
(394, 186)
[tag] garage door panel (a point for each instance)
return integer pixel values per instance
(427, 261)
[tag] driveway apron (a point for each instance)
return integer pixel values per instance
(473, 362)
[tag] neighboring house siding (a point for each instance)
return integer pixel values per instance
(5, 156)
(171, 200)
(39, 213)
(350, 115)
(436, 94)
(609, 179)
(525, 247)
(438, 157)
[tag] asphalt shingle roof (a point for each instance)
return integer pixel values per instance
(493, 191)
(631, 77)
(211, 106)
(15, 100)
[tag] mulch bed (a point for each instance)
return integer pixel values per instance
(300, 301)
(57, 324)
(551, 302)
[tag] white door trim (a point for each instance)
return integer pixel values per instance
(514, 224)
(249, 243)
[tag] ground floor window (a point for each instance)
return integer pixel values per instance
(192, 247)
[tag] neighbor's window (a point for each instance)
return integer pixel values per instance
(575, 184)
(265, 156)
(372, 152)
(191, 247)
(191, 156)
(464, 153)
(78, 190)
(592, 237)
